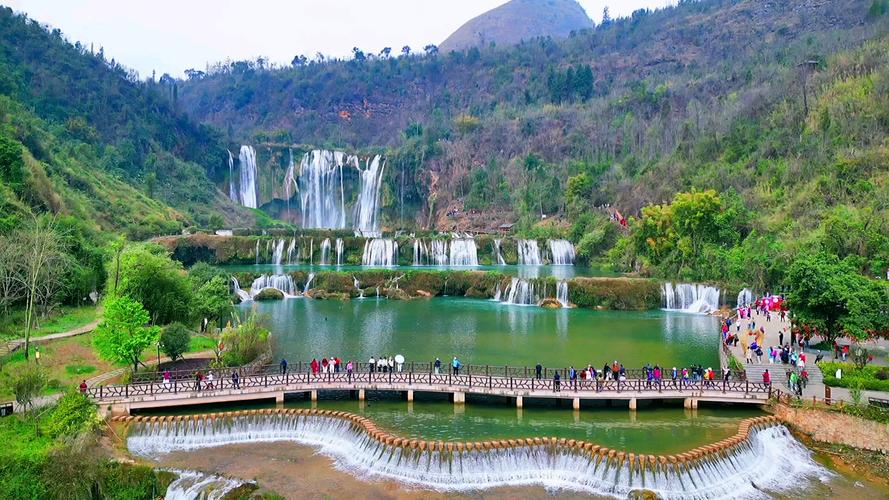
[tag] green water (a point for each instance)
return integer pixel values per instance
(659, 428)
(486, 332)
(561, 272)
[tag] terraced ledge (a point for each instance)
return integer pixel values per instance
(714, 450)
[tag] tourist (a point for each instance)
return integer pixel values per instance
(649, 376)
(781, 337)
(726, 373)
(557, 382)
(803, 379)
(572, 376)
(455, 364)
(337, 362)
(615, 370)
(673, 376)
(658, 376)
(436, 367)
(399, 367)
(538, 370)
(210, 379)
(758, 353)
(83, 387)
(349, 368)
(371, 364)
(606, 372)
(236, 379)
(684, 381)
(167, 377)
(198, 377)
(391, 363)
(324, 363)
(331, 364)
(621, 373)
(283, 365)
(315, 365)
(767, 377)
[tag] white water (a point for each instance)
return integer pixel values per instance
(191, 485)
(529, 253)
(421, 253)
(232, 190)
(321, 190)
(247, 186)
(257, 251)
(339, 251)
(290, 181)
(236, 288)
(745, 298)
(367, 208)
(439, 255)
(278, 252)
(562, 293)
(325, 252)
(690, 297)
(771, 460)
(463, 252)
(308, 285)
(380, 252)
(562, 252)
(519, 292)
(498, 252)
(358, 287)
(281, 282)
(291, 249)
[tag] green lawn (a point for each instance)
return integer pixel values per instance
(64, 319)
(873, 378)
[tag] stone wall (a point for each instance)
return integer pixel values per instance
(835, 427)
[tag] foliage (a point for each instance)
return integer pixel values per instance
(28, 384)
(124, 332)
(73, 413)
(245, 342)
(828, 293)
(868, 377)
(150, 277)
(213, 301)
(175, 340)
(201, 273)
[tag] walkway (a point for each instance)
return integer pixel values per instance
(508, 382)
(13, 345)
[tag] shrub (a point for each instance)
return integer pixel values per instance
(174, 340)
(28, 384)
(73, 413)
(868, 377)
(245, 342)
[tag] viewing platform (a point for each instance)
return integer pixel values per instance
(514, 383)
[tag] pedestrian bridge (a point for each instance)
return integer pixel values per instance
(149, 390)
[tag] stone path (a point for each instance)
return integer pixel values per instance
(13, 345)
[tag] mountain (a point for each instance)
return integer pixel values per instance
(519, 20)
(99, 145)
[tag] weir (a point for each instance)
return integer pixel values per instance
(762, 455)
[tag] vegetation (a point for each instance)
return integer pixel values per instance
(27, 385)
(175, 340)
(245, 342)
(125, 332)
(871, 378)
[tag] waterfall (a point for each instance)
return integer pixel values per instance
(358, 287)
(745, 298)
(308, 285)
(241, 294)
(562, 252)
(339, 251)
(232, 194)
(256, 252)
(690, 297)
(278, 253)
(367, 208)
(290, 181)
(190, 485)
(321, 190)
(520, 292)
(325, 252)
(463, 252)
(248, 176)
(291, 249)
(498, 252)
(562, 293)
(380, 252)
(281, 282)
(529, 253)
(439, 252)
(420, 253)
(768, 460)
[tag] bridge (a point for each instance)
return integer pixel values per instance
(148, 390)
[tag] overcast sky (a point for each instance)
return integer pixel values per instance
(173, 35)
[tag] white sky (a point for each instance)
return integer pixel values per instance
(173, 35)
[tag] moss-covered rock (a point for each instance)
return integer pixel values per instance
(550, 303)
(269, 294)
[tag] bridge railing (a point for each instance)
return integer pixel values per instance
(480, 377)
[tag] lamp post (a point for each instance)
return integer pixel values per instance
(158, 356)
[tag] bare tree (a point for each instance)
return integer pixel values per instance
(42, 261)
(10, 285)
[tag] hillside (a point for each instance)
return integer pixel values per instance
(98, 144)
(519, 20)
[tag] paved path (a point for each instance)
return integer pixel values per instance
(13, 345)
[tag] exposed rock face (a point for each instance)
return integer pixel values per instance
(519, 20)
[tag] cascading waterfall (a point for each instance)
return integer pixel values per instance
(562, 252)
(745, 298)
(439, 252)
(529, 253)
(358, 287)
(463, 252)
(278, 253)
(381, 252)
(322, 199)
(690, 297)
(291, 249)
(236, 289)
(190, 485)
(308, 285)
(247, 185)
(498, 252)
(562, 293)
(519, 292)
(256, 252)
(768, 460)
(290, 181)
(281, 282)
(367, 208)
(325, 252)
(232, 194)
(421, 253)
(339, 251)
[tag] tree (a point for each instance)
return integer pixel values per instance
(606, 16)
(384, 54)
(828, 293)
(213, 300)
(42, 266)
(174, 340)
(431, 49)
(12, 165)
(124, 333)
(150, 277)
(358, 54)
(406, 50)
(10, 284)
(27, 385)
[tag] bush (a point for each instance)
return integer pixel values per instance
(28, 384)
(245, 342)
(871, 378)
(174, 340)
(73, 413)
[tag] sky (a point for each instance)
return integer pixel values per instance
(170, 36)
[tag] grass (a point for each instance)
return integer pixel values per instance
(80, 369)
(63, 320)
(200, 343)
(852, 376)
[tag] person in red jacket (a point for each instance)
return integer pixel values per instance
(767, 377)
